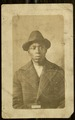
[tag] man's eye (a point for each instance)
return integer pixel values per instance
(42, 47)
(33, 48)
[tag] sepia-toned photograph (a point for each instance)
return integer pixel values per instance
(39, 83)
(37, 73)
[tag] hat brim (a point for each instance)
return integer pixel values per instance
(45, 42)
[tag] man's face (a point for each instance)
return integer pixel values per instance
(37, 52)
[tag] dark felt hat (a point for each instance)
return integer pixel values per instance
(34, 37)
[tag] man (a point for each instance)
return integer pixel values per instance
(40, 83)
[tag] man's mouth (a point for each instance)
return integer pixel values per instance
(38, 57)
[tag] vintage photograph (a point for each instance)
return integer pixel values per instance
(40, 83)
(37, 71)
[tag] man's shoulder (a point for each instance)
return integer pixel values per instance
(21, 72)
(23, 68)
(53, 66)
(26, 66)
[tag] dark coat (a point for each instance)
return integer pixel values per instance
(47, 91)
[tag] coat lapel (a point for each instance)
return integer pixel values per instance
(31, 76)
(46, 77)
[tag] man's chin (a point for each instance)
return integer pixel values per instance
(37, 60)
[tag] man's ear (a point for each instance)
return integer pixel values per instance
(28, 51)
(46, 50)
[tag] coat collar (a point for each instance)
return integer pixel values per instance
(49, 71)
(47, 65)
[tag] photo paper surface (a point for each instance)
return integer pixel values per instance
(46, 90)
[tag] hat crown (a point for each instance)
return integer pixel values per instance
(35, 35)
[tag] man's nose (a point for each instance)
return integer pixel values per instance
(37, 50)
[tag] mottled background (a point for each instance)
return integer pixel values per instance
(52, 28)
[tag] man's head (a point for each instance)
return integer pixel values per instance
(37, 46)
